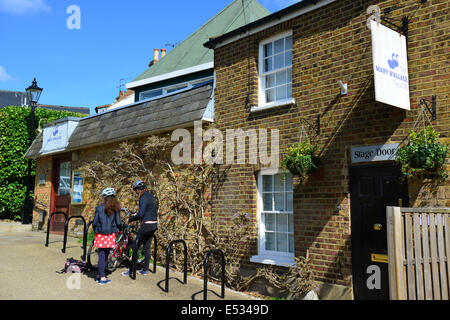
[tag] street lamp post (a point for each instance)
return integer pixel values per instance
(33, 95)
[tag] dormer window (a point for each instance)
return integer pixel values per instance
(161, 92)
(150, 94)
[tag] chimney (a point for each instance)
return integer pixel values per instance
(155, 58)
(163, 53)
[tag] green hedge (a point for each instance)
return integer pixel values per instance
(15, 125)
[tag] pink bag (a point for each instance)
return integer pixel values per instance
(75, 266)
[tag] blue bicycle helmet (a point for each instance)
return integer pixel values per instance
(139, 185)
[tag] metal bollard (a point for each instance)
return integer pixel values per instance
(205, 272)
(168, 261)
(48, 224)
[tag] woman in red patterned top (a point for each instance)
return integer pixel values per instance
(106, 224)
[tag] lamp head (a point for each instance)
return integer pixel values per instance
(34, 92)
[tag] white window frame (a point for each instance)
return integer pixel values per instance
(176, 87)
(183, 86)
(262, 104)
(147, 91)
(266, 256)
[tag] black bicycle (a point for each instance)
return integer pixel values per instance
(122, 250)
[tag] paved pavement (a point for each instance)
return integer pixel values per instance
(30, 271)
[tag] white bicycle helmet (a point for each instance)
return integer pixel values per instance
(108, 192)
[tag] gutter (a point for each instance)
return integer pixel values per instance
(278, 17)
(116, 140)
(170, 75)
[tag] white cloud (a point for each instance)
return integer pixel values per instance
(24, 6)
(3, 75)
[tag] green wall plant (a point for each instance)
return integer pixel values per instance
(301, 159)
(424, 156)
(15, 125)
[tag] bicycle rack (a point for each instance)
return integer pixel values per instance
(48, 224)
(205, 272)
(168, 260)
(66, 229)
(88, 226)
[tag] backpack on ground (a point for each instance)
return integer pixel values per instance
(75, 266)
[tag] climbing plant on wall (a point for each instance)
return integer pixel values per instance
(14, 138)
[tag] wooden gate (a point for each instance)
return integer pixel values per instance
(418, 251)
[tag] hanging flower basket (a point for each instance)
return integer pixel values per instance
(424, 156)
(301, 159)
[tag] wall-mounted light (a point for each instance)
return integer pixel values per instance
(39, 129)
(344, 88)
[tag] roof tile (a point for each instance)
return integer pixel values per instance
(137, 119)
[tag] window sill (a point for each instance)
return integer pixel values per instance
(278, 261)
(273, 105)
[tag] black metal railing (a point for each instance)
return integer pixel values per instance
(66, 229)
(168, 261)
(48, 224)
(205, 272)
(88, 226)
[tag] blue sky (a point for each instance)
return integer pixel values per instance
(83, 67)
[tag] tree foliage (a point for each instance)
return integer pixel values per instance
(183, 193)
(15, 125)
(294, 283)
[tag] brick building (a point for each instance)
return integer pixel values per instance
(282, 72)
(321, 42)
(17, 98)
(173, 92)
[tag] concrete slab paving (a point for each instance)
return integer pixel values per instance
(30, 271)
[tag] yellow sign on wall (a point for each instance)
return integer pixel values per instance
(383, 258)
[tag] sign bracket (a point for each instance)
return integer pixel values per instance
(403, 29)
(432, 111)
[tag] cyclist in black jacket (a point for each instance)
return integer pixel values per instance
(148, 213)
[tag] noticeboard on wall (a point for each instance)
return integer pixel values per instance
(77, 187)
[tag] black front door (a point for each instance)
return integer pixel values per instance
(372, 188)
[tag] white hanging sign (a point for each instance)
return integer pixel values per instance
(55, 138)
(390, 66)
(56, 135)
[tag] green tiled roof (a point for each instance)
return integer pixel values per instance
(191, 51)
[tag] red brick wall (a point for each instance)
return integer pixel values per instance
(91, 200)
(331, 44)
(42, 192)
